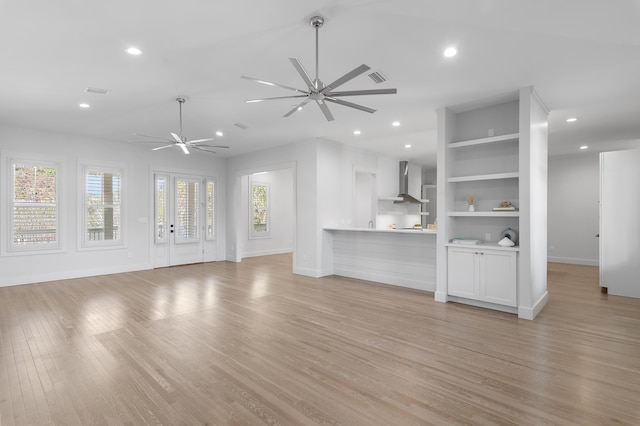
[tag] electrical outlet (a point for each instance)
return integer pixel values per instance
(490, 132)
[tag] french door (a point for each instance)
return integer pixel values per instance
(184, 219)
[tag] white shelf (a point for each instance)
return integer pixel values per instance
(389, 198)
(423, 200)
(392, 213)
(424, 213)
(484, 214)
(430, 186)
(503, 138)
(510, 175)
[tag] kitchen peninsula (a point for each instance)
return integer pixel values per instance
(402, 257)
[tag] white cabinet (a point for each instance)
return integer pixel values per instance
(483, 274)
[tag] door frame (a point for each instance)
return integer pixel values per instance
(211, 250)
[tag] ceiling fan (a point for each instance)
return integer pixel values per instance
(317, 90)
(179, 140)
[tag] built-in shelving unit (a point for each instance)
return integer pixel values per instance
(495, 151)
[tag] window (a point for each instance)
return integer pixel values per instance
(102, 207)
(187, 210)
(161, 209)
(259, 210)
(211, 192)
(34, 215)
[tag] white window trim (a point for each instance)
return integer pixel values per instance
(252, 234)
(83, 244)
(6, 203)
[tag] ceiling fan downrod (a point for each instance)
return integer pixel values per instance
(180, 102)
(316, 22)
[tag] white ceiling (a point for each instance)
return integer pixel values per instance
(583, 57)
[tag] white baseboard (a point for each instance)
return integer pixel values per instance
(531, 313)
(572, 261)
(267, 252)
(67, 275)
(441, 296)
(308, 272)
(392, 279)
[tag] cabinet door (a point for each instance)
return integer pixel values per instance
(463, 272)
(498, 277)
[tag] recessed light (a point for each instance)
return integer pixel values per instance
(584, 147)
(133, 51)
(571, 120)
(395, 123)
(450, 52)
(219, 133)
(357, 132)
(408, 145)
(84, 105)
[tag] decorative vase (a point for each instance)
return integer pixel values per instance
(472, 208)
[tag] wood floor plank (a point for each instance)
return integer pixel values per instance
(250, 343)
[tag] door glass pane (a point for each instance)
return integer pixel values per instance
(210, 210)
(187, 203)
(161, 209)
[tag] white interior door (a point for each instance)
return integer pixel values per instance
(180, 219)
(619, 225)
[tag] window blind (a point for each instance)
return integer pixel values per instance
(103, 206)
(34, 210)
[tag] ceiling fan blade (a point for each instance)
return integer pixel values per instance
(177, 138)
(199, 140)
(363, 92)
(325, 110)
(348, 76)
(152, 137)
(202, 149)
(297, 107)
(278, 97)
(163, 147)
(184, 148)
(351, 104)
(210, 146)
(270, 83)
(156, 142)
(303, 73)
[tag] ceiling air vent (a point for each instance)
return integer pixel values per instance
(96, 90)
(240, 126)
(377, 77)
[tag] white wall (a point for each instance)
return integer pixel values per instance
(281, 218)
(138, 162)
(573, 208)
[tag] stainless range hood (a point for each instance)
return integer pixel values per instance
(403, 179)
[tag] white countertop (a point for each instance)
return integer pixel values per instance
(393, 231)
(492, 246)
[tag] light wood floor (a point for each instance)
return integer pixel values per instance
(252, 344)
